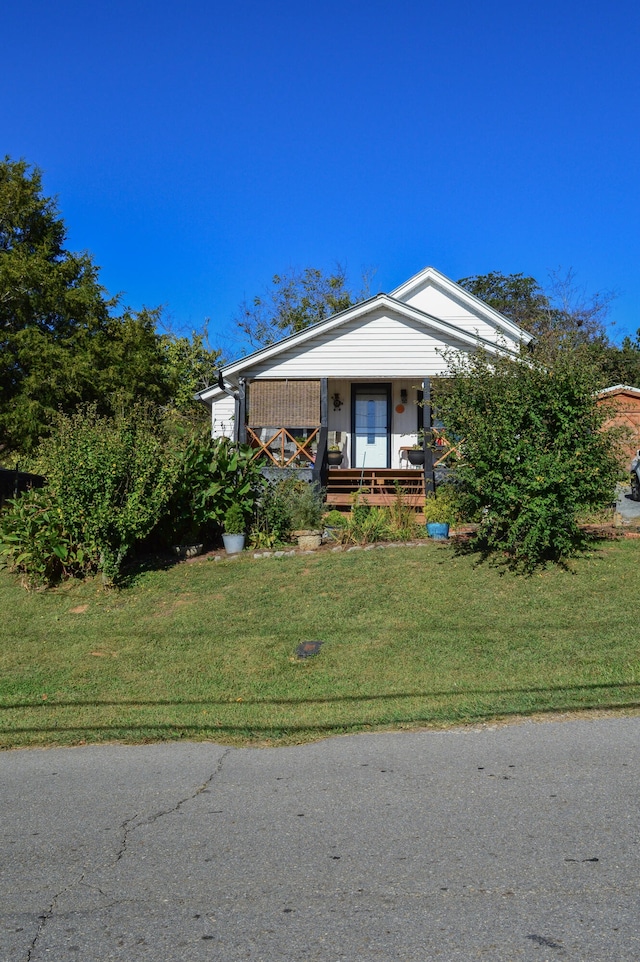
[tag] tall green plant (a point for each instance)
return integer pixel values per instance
(35, 543)
(236, 478)
(307, 507)
(111, 480)
(534, 453)
(272, 520)
(210, 476)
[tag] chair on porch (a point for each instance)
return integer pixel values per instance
(403, 454)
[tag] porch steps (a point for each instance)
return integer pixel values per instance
(378, 486)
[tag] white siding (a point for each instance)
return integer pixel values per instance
(380, 345)
(437, 303)
(222, 417)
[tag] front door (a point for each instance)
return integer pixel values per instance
(371, 427)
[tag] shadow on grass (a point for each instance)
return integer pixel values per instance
(134, 569)
(325, 700)
(476, 545)
(177, 731)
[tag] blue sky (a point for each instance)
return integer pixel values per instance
(198, 148)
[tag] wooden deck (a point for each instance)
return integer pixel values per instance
(379, 486)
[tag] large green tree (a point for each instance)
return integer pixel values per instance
(192, 364)
(621, 365)
(562, 318)
(63, 342)
(294, 301)
(50, 302)
(518, 297)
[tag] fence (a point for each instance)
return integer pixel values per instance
(13, 483)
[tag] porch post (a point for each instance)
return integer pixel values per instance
(427, 438)
(240, 430)
(320, 468)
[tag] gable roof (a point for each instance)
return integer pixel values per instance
(620, 389)
(430, 277)
(396, 304)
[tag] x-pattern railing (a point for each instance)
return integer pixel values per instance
(282, 457)
(443, 447)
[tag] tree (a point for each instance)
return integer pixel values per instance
(563, 317)
(621, 365)
(62, 344)
(518, 297)
(192, 364)
(49, 298)
(534, 454)
(295, 301)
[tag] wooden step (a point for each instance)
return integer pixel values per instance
(378, 486)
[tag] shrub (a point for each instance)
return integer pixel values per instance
(234, 522)
(533, 452)
(402, 517)
(307, 507)
(210, 476)
(442, 507)
(335, 519)
(367, 523)
(370, 525)
(110, 479)
(360, 507)
(34, 542)
(272, 518)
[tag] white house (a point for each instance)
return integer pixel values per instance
(354, 380)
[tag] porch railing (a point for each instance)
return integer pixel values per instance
(443, 447)
(283, 448)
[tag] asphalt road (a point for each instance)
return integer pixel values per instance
(508, 843)
(625, 506)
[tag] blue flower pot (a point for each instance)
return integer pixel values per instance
(438, 531)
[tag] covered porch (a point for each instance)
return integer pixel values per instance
(344, 434)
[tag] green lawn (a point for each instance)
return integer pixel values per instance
(206, 650)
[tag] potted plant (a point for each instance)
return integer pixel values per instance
(415, 455)
(306, 516)
(439, 513)
(334, 454)
(234, 530)
(334, 523)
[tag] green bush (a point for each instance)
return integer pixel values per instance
(113, 481)
(534, 454)
(366, 523)
(35, 543)
(110, 479)
(442, 507)
(272, 519)
(307, 507)
(335, 519)
(234, 522)
(402, 518)
(211, 475)
(367, 527)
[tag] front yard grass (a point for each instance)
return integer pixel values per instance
(412, 637)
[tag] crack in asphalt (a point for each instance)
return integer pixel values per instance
(48, 914)
(127, 827)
